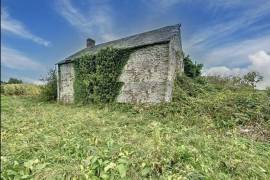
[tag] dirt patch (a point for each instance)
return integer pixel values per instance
(257, 132)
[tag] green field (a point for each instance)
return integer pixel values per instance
(204, 134)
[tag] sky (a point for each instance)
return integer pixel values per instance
(230, 37)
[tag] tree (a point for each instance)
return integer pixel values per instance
(49, 90)
(14, 81)
(192, 69)
(252, 78)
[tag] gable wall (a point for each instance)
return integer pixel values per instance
(66, 77)
(145, 75)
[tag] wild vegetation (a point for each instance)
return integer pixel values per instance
(12, 81)
(215, 128)
(96, 76)
(191, 69)
(20, 89)
(49, 89)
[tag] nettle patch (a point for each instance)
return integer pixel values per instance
(96, 76)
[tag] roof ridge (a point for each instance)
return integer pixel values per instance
(140, 39)
(145, 32)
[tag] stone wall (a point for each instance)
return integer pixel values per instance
(65, 83)
(148, 75)
(145, 75)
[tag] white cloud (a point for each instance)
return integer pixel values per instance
(32, 81)
(259, 62)
(224, 71)
(234, 54)
(14, 59)
(10, 25)
(212, 34)
(97, 22)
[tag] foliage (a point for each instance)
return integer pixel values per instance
(97, 75)
(20, 89)
(215, 128)
(191, 69)
(14, 81)
(197, 136)
(268, 91)
(49, 90)
(252, 78)
(180, 140)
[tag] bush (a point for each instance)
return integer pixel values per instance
(49, 90)
(268, 91)
(252, 78)
(231, 83)
(191, 69)
(14, 81)
(20, 89)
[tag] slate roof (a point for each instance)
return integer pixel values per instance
(160, 35)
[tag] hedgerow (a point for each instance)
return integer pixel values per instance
(20, 89)
(96, 75)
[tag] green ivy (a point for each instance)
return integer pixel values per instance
(96, 75)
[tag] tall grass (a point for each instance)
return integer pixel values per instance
(20, 89)
(197, 136)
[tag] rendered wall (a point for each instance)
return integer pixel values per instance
(145, 75)
(65, 83)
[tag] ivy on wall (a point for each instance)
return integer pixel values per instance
(96, 76)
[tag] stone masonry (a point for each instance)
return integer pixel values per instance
(149, 73)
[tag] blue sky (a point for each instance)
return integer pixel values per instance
(228, 37)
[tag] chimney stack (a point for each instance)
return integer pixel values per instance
(90, 43)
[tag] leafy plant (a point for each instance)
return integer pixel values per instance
(20, 89)
(96, 76)
(191, 69)
(49, 90)
(268, 91)
(14, 81)
(252, 78)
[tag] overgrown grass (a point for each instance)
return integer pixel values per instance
(197, 136)
(20, 89)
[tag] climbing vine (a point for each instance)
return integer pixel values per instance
(96, 76)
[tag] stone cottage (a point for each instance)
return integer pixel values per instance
(149, 73)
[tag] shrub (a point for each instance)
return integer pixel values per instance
(14, 81)
(20, 89)
(49, 90)
(252, 78)
(230, 82)
(191, 69)
(268, 91)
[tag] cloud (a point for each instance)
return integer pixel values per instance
(10, 25)
(210, 4)
(32, 81)
(224, 71)
(212, 34)
(236, 53)
(162, 3)
(14, 59)
(97, 23)
(259, 62)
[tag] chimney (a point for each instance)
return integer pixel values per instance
(90, 43)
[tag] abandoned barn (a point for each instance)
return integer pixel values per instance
(148, 76)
